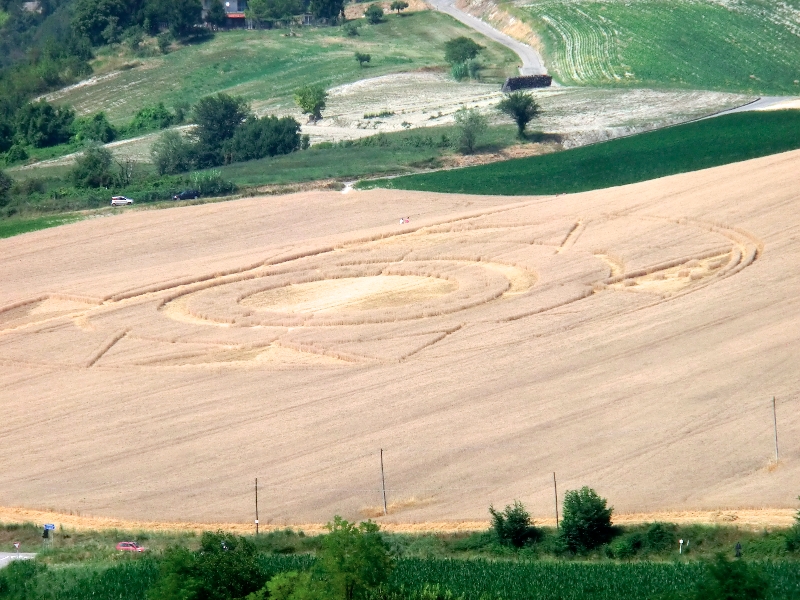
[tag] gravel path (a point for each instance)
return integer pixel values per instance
(532, 63)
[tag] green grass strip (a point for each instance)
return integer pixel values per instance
(14, 227)
(688, 147)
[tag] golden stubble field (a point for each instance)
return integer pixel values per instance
(155, 362)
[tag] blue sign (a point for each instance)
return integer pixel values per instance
(49, 526)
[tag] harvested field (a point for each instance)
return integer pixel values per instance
(629, 339)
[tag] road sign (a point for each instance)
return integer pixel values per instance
(16, 545)
(49, 526)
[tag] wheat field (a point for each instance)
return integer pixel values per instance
(630, 339)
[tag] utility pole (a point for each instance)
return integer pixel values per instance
(383, 485)
(775, 424)
(256, 505)
(555, 493)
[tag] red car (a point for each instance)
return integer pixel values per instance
(130, 547)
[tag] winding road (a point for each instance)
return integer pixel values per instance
(532, 63)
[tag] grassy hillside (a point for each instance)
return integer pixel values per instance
(742, 45)
(267, 66)
(689, 147)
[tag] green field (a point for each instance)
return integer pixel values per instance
(467, 579)
(11, 227)
(742, 45)
(266, 66)
(688, 147)
(383, 154)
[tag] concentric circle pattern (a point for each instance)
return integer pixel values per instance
(388, 298)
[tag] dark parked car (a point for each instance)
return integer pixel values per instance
(186, 195)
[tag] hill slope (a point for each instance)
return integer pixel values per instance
(629, 339)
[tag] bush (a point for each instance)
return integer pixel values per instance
(351, 28)
(362, 58)
(16, 153)
(471, 125)
(18, 579)
(459, 71)
(732, 580)
(152, 118)
(268, 136)
(95, 128)
(172, 153)
(5, 187)
(374, 14)
(211, 183)
(460, 50)
(586, 523)
(93, 168)
(164, 40)
(513, 526)
(225, 567)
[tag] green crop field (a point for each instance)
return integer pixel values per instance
(467, 579)
(738, 45)
(267, 66)
(11, 227)
(688, 147)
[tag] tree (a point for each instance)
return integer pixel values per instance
(362, 58)
(353, 560)
(42, 125)
(311, 100)
(93, 168)
(471, 125)
(268, 136)
(326, 9)
(374, 14)
(172, 153)
(216, 15)
(183, 16)
(5, 187)
(586, 523)
(95, 128)
(398, 5)
(460, 50)
(513, 526)
(521, 108)
(225, 567)
(217, 118)
(732, 580)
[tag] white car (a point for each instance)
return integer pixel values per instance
(120, 201)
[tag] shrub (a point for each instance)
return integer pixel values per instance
(473, 68)
(471, 125)
(5, 186)
(268, 136)
(513, 526)
(164, 40)
(16, 153)
(460, 50)
(95, 128)
(93, 168)
(732, 580)
(362, 58)
(521, 108)
(172, 153)
(459, 71)
(374, 14)
(351, 28)
(18, 579)
(211, 183)
(793, 535)
(586, 523)
(151, 118)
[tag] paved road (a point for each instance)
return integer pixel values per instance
(532, 63)
(7, 557)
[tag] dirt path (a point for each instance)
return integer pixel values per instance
(532, 63)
